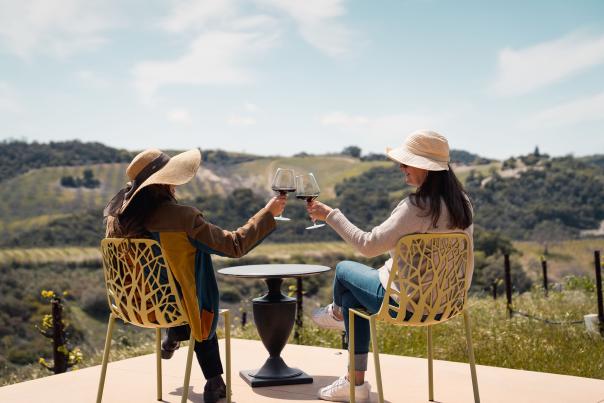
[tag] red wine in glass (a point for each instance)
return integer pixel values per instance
(284, 182)
(307, 189)
(308, 198)
(283, 191)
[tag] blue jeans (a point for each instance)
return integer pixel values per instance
(358, 286)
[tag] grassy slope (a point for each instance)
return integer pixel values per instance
(48, 255)
(462, 172)
(36, 197)
(77, 254)
(37, 194)
(329, 170)
(573, 257)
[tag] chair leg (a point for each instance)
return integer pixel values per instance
(99, 395)
(430, 366)
(376, 359)
(466, 319)
(227, 342)
(158, 361)
(351, 377)
(185, 389)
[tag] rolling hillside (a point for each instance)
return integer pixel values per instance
(36, 197)
(564, 258)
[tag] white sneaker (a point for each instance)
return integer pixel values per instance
(339, 391)
(325, 318)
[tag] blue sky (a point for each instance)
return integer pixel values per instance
(280, 77)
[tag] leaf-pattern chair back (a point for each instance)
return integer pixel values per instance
(140, 287)
(428, 279)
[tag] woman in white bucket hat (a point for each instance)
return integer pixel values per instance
(439, 204)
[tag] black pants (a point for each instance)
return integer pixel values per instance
(206, 351)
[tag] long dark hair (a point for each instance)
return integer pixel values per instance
(130, 223)
(444, 185)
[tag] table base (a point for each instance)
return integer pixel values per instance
(260, 382)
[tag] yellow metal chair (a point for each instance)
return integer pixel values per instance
(142, 291)
(428, 278)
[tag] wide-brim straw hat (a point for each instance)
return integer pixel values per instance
(423, 149)
(154, 167)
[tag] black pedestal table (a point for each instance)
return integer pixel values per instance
(274, 315)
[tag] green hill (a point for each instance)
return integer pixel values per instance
(17, 157)
(553, 199)
(531, 197)
(34, 198)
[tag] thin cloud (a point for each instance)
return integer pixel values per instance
(8, 99)
(241, 121)
(577, 111)
(92, 79)
(525, 70)
(318, 23)
(367, 131)
(58, 28)
(180, 115)
(196, 15)
(228, 36)
(214, 58)
(250, 107)
(386, 124)
(345, 121)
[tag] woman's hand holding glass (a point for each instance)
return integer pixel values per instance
(318, 211)
(307, 189)
(283, 183)
(276, 205)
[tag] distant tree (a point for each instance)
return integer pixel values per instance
(89, 181)
(489, 270)
(510, 163)
(467, 158)
(220, 157)
(492, 243)
(69, 182)
(536, 152)
(353, 151)
(374, 157)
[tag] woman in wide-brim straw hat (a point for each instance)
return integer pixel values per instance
(147, 208)
(439, 204)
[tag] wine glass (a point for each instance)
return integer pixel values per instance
(283, 182)
(307, 189)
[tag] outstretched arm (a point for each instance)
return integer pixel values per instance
(239, 242)
(380, 239)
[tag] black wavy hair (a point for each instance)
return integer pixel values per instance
(444, 185)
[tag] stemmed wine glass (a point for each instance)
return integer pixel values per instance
(283, 182)
(307, 189)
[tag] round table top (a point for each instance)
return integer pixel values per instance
(274, 270)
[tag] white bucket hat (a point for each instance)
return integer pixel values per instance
(422, 149)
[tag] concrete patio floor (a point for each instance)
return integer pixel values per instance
(405, 381)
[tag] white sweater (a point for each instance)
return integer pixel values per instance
(405, 219)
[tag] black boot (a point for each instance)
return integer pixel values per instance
(214, 390)
(168, 347)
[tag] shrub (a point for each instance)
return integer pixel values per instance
(94, 303)
(22, 356)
